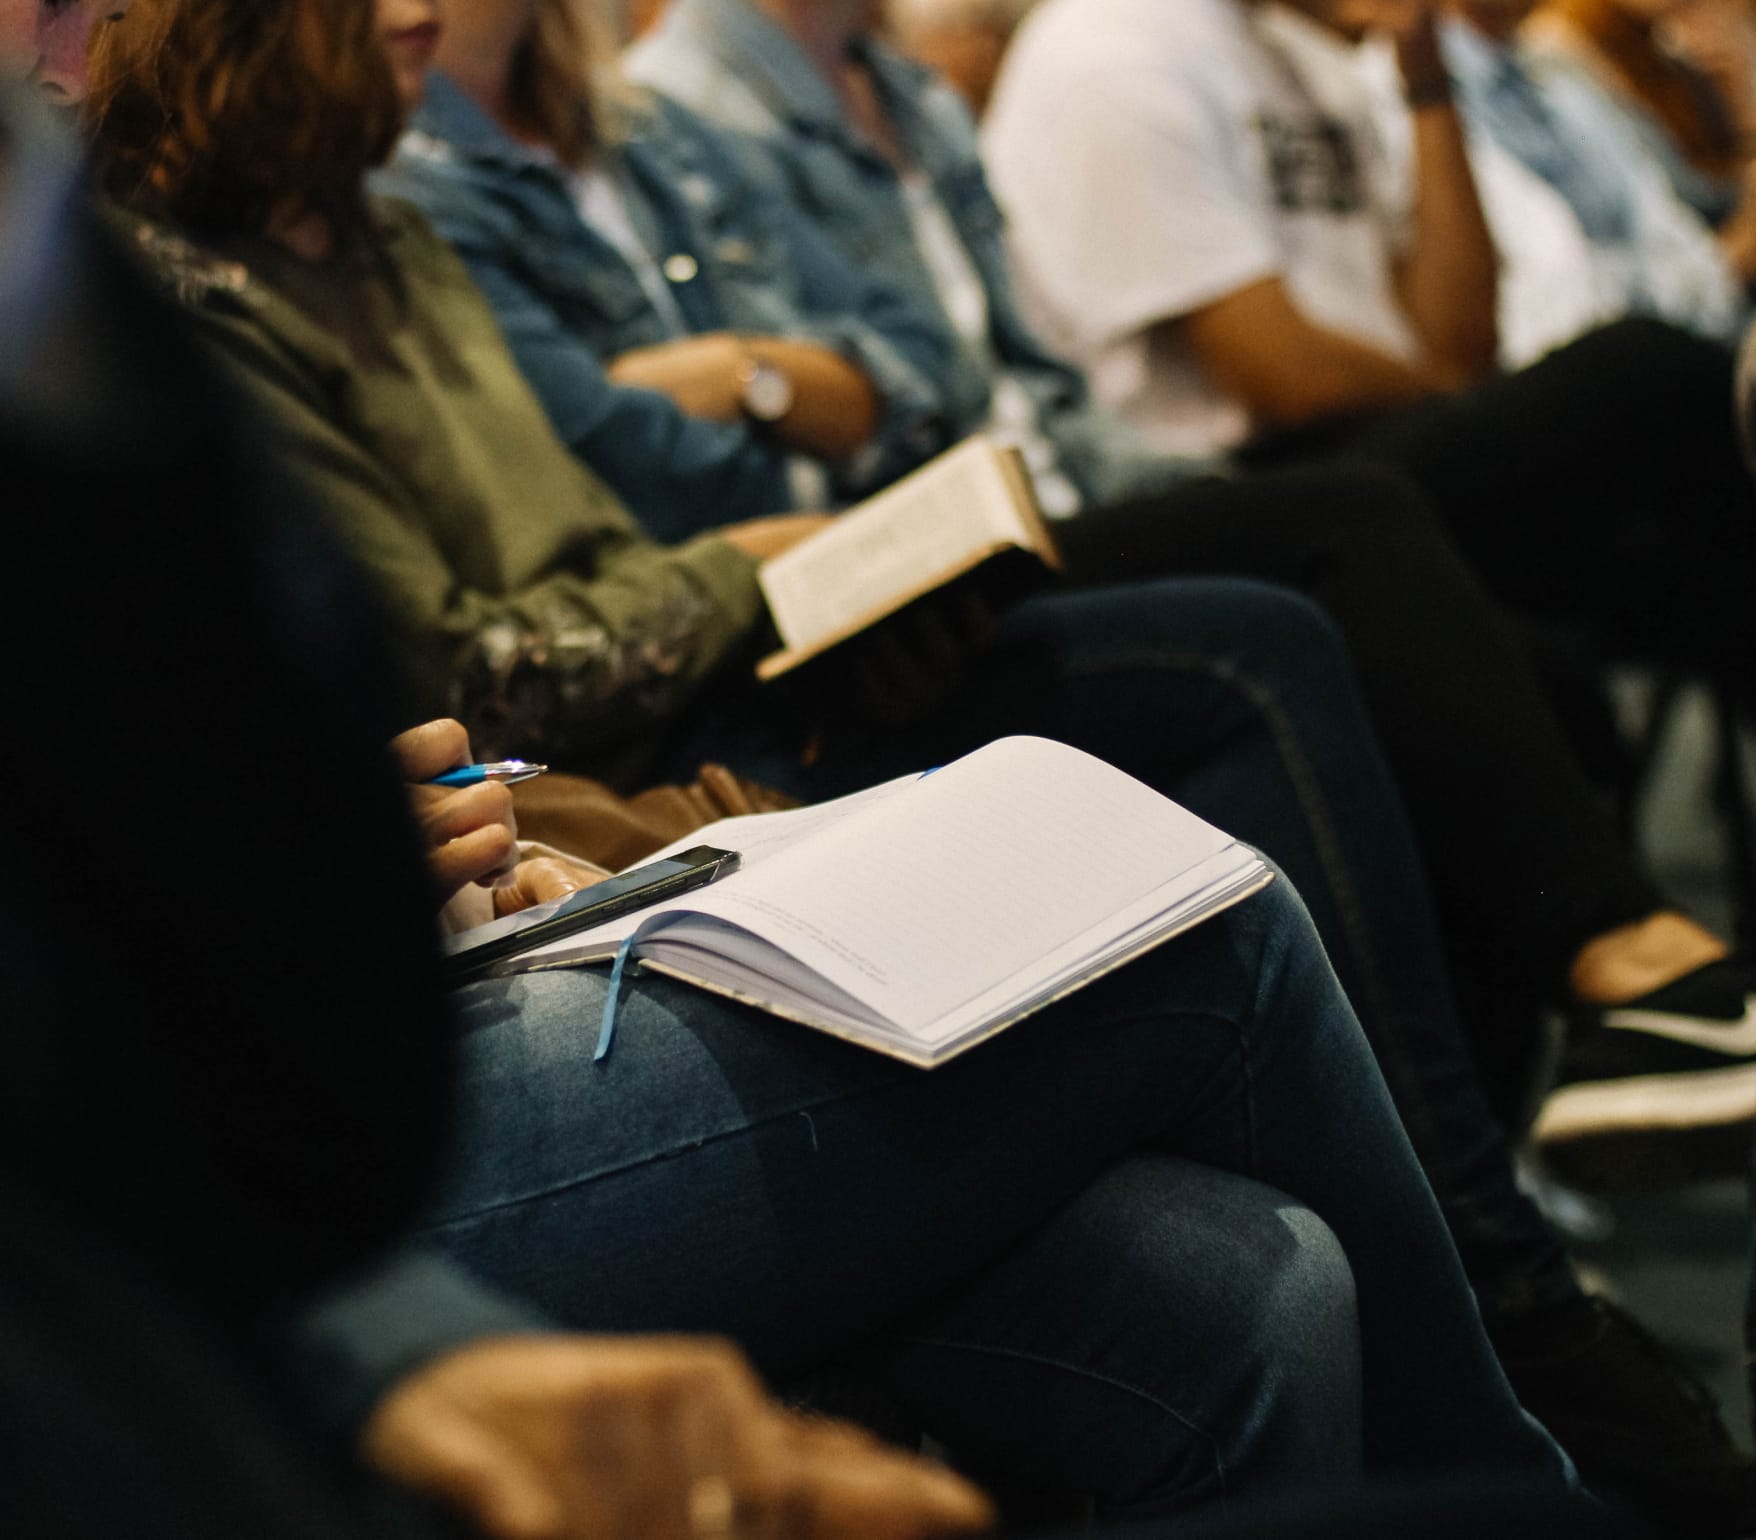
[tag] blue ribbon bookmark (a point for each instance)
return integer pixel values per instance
(607, 1030)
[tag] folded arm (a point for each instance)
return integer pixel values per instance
(834, 407)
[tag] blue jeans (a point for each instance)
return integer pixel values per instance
(1238, 700)
(1099, 1253)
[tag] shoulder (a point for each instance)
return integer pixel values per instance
(194, 274)
(259, 339)
(458, 193)
(235, 312)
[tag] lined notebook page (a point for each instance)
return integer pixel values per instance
(892, 543)
(971, 875)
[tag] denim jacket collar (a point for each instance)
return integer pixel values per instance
(449, 123)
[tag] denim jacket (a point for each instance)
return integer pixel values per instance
(728, 61)
(568, 301)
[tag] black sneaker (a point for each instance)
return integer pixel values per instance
(1682, 1057)
(1642, 1431)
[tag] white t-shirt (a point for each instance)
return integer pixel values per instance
(1156, 155)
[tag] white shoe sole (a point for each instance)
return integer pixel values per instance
(1706, 1098)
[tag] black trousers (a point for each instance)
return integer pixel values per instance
(1603, 484)
(1525, 863)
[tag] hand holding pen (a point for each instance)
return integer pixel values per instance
(469, 829)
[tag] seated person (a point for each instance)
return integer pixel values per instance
(259, 1092)
(249, 1123)
(265, 1093)
(490, 538)
(1694, 119)
(1584, 218)
(643, 256)
(1466, 730)
(1316, 319)
(755, 376)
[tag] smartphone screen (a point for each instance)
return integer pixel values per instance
(475, 950)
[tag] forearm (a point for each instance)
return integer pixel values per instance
(571, 669)
(834, 410)
(1337, 377)
(1287, 371)
(1449, 279)
(834, 407)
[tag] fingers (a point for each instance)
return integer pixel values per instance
(475, 857)
(472, 835)
(663, 1434)
(452, 815)
(844, 1483)
(430, 749)
(578, 1438)
(486, 1478)
(539, 880)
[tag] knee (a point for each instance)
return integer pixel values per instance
(1295, 1392)
(1288, 650)
(1305, 1316)
(1266, 1290)
(1293, 1329)
(1277, 629)
(1360, 523)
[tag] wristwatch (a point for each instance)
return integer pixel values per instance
(765, 390)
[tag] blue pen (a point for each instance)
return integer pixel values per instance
(506, 771)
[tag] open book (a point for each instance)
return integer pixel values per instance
(935, 524)
(926, 914)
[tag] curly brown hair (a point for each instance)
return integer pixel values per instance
(220, 114)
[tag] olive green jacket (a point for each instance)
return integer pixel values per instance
(534, 608)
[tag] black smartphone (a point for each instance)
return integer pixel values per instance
(475, 951)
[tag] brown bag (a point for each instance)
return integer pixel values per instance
(585, 818)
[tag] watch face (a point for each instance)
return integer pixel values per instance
(768, 392)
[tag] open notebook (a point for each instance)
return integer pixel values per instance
(921, 916)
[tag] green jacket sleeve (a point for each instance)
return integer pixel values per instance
(604, 635)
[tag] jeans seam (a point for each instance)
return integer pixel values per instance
(689, 1146)
(1078, 1371)
(1308, 792)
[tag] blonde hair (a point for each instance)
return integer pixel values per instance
(567, 82)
